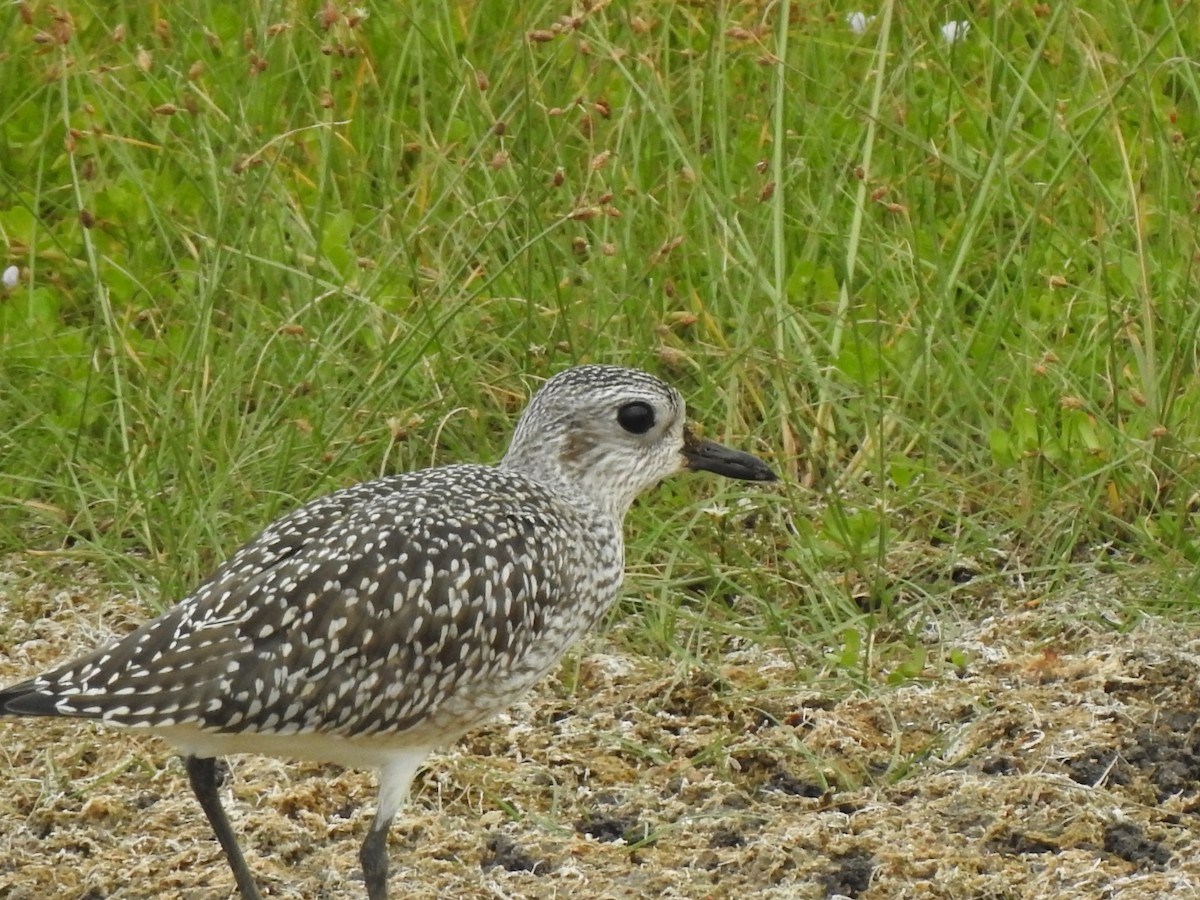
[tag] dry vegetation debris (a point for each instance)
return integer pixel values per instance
(1061, 760)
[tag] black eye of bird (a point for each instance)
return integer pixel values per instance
(636, 417)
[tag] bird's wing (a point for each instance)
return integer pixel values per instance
(127, 659)
(360, 612)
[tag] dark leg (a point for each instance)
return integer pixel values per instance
(202, 773)
(394, 780)
(374, 859)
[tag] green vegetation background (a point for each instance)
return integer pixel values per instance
(948, 287)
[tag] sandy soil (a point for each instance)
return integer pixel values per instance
(1061, 760)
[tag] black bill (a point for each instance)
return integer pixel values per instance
(710, 456)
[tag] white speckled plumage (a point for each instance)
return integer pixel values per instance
(376, 623)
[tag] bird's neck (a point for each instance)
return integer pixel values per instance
(585, 480)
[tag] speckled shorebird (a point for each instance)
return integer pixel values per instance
(372, 625)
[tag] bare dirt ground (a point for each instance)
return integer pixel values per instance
(1062, 760)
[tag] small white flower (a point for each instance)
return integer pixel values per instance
(955, 31)
(859, 22)
(10, 277)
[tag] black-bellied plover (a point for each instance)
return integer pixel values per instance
(375, 624)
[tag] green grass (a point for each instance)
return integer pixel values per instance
(948, 288)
